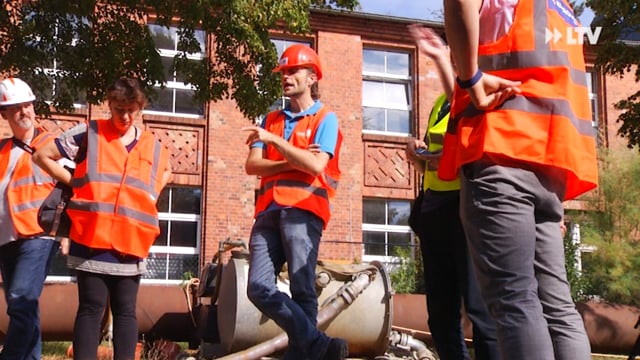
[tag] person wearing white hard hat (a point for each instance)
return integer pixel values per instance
(25, 252)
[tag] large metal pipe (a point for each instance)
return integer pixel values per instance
(241, 325)
(163, 311)
(332, 308)
(610, 327)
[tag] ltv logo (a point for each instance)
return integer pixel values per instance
(573, 35)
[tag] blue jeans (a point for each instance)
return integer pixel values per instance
(24, 265)
(449, 280)
(512, 219)
(293, 236)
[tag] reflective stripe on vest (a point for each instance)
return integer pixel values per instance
(115, 192)
(549, 123)
(296, 188)
(28, 187)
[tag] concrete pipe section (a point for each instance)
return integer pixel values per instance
(365, 320)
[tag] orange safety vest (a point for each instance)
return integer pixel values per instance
(115, 192)
(297, 188)
(28, 187)
(549, 124)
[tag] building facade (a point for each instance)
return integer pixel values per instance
(381, 89)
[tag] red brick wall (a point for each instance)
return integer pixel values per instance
(228, 193)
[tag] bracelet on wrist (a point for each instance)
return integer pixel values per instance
(465, 84)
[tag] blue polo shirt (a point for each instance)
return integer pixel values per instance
(326, 136)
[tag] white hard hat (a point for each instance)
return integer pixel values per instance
(15, 91)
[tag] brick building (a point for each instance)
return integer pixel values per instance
(381, 89)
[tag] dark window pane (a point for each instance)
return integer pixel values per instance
(399, 241)
(399, 212)
(374, 243)
(185, 200)
(180, 76)
(163, 200)
(164, 38)
(164, 102)
(373, 212)
(162, 239)
(185, 103)
(166, 64)
(183, 233)
(59, 266)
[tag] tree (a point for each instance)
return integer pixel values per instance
(618, 53)
(92, 43)
(611, 225)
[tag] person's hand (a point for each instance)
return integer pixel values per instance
(492, 91)
(428, 41)
(64, 246)
(412, 146)
(314, 148)
(256, 133)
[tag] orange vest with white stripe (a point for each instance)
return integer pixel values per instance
(296, 188)
(115, 192)
(549, 124)
(28, 187)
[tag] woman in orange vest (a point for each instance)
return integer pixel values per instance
(120, 171)
(521, 133)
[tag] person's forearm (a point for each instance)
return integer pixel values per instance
(301, 159)
(447, 77)
(265, 167)
(461, 21)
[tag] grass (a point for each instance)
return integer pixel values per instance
(57, 350)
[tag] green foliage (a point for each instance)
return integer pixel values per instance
(404, 277)
(620, 20)
(577, 282)
(612, 225)
(94, 43)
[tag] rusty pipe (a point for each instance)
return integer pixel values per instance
(408, 342)
(329, 311)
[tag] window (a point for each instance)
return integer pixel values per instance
(56, 74)
(385, 228)
(175, 254)
(386, 92)
(594, 88)
(176, 97)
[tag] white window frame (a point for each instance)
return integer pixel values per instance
(177, 85)
(388, 260)
(54, 70)
(384, 77)
(179, 250)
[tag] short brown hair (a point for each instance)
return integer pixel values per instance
(127, 91)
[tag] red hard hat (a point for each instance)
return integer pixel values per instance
(299, 55)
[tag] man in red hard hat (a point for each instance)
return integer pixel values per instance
(25, 253)
(295, 152)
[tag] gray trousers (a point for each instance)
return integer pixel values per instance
(511, 216)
